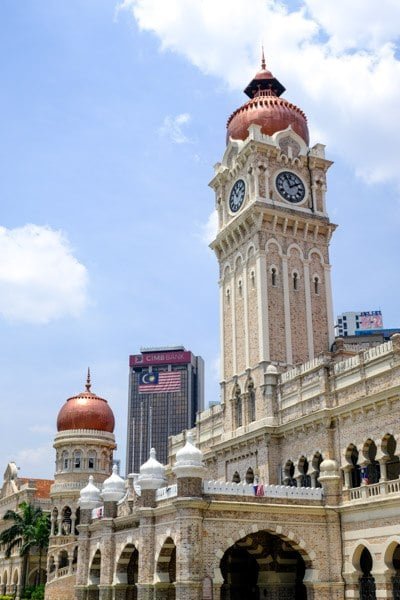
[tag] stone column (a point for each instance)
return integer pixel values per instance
(151, 478)
(81, 592)
(384, 584)
(270, 394)
(330, 480)
(347, 476)
(52, 523)
(89, 499)
(325, 590)
(189, 471)
(105, 592)
(145, 591)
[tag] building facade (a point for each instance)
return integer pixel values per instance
(166, 391)
(84, 446)
(14, 491)
(289, 489)
(354, 323)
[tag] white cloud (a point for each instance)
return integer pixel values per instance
(172, 128)
(40, 279)
(337, 59)
(209, 229)
(35, 462)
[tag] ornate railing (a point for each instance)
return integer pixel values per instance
(365, 492)
(259, 490)
(167, 492)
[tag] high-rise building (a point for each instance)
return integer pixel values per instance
(166, 390)
(349, 323)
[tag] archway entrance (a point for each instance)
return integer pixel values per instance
(166, 571)
(127, 573)
(261, 566)
(367, 581)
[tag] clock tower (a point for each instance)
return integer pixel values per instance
(272, 244)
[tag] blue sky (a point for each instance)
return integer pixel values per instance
(111, 120)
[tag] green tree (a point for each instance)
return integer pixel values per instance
(30, 528)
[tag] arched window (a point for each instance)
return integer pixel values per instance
(367, 582)
(316, 462)
(238, 409)
(392, 461)
(65, 461)
(295, 281)
(249, 475)
(252, 406)
(240, 288)
(92, 456)
(273, 276)
(316, 285)
(66, 521)
(396, 577)
(54, 518)
(77, 459)
(305, 479)
(236, 477)
(355, 474)
(63, 559)
(371, 472)
(288, 472)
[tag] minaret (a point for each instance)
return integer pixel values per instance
(84, 446)
(272, 245)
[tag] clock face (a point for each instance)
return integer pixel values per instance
(237, 195)
(290, 187)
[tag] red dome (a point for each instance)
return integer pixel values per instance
(86, 411)
(272, 113)
(267, 109)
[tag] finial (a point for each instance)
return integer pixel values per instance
(88, 382)
(263, 64)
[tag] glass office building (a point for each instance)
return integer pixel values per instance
(166, 390)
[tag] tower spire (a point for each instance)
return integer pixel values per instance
(263, 63)
(88, 384)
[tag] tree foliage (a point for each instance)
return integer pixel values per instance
(30, 529)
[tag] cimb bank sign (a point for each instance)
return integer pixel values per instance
(160, 358)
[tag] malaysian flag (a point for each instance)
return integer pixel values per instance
(157, 382)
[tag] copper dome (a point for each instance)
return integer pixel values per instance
(86, 411)
(267, 109)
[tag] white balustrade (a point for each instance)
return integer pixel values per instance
(365, 492)
(167, 492)
(259, 490)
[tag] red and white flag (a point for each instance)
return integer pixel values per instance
(160, 382)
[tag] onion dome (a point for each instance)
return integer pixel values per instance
(90, 495)
(267, 109)
(113, 487)
(189, 460)
(152, 473)
(86, 411)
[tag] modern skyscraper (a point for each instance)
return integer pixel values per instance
(166, 390)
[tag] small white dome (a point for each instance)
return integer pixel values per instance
(272, 370)
(152, 473)
(113, 487)
(328, 468)
(189, 460)
(89, 496)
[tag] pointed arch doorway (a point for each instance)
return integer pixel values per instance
(262, 565)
